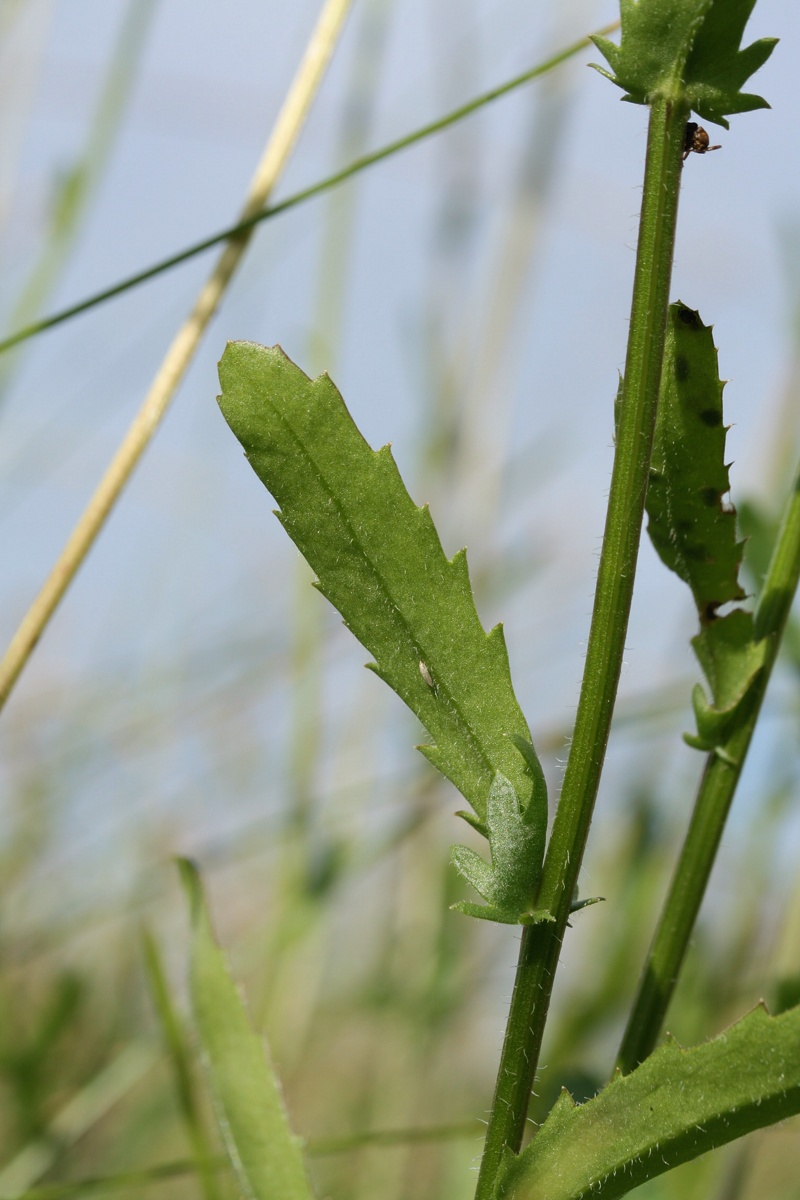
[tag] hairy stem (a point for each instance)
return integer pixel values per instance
(714, 797)
(541, 944)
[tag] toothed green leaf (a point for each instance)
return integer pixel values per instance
(516, 841)
(475, 870)
(380, 562)
(686, 51)
(731, 660)
(534, 811)
(693, 529)
(517, 846)
(677, 1105)
(690, 525)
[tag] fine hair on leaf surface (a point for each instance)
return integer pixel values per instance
(679, 1104)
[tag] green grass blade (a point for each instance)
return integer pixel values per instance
(122, 1181)
(316, 189)
(675, 1106)
(82, 1112)
(178, 1050)
(79, 183)
(379, 561)
(128, 1181)
(250, 1112)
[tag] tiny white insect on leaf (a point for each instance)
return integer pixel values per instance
(426, 675)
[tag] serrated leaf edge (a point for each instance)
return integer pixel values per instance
(663, 1067)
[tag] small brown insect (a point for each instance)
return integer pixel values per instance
(695, 140)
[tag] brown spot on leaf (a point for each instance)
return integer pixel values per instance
(689, 317)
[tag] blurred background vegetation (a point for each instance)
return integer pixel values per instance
(194, 694)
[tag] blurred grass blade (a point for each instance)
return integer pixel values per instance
(122, 1181)
(395, 1137)
(178, 1051)
(316, 189)
(677, 1105)
(82, 1112)
(294, 110)
(381, 564)
(250, 1113)
(79, 183)
(150, 1176)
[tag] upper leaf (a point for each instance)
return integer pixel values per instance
(686, 51)
(677, 1105)
(693, 529)
(690, 525)
(380, 562)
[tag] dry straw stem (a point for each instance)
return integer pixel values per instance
(281, 142)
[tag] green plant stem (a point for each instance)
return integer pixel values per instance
(714, 797)
(541, 944)
(316, 189)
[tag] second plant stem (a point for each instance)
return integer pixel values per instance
(716, 791)
(541, 944)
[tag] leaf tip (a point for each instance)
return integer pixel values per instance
(475, 822)
(602, 71)
(189, 874)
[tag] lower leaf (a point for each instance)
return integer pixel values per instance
(677, 1105)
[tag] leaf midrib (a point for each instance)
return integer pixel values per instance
(460, 718)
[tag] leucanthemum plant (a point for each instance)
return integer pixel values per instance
(378, 560)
